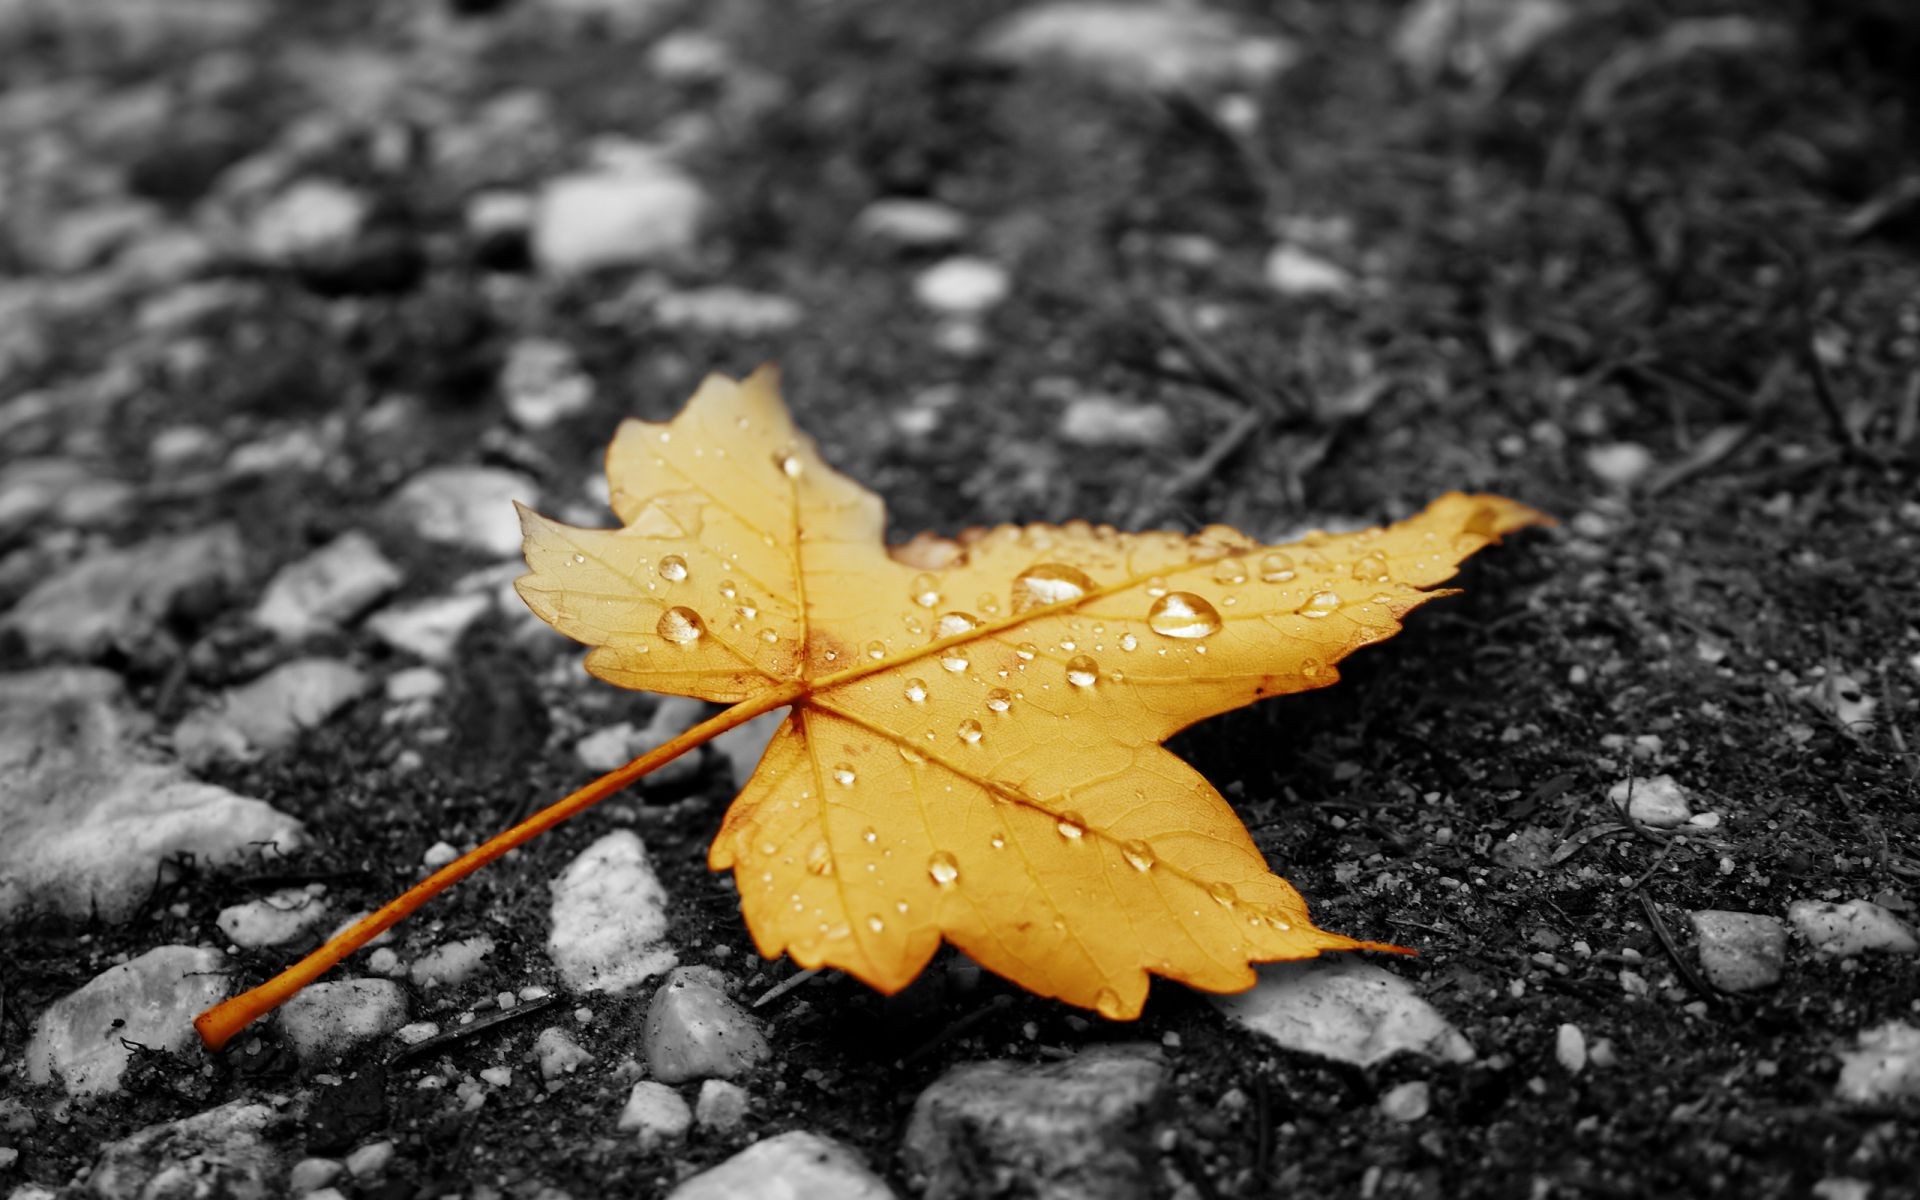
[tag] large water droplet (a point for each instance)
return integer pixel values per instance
(1223, 894)
(970, 731)
(1129, 643)
(788, 463)
(1276, 568)
(1230, 571)
(954, 624)
(1025, 651)
(924, 591)
(1070, 825)
(1321, 604)
(1183, 615)
(944, 868)
(876, 650)
(681, 626)
(673, 568)
(1372, 569)
(999, 700)
(1138, 854)
(952, 659)
(1082, 671)
(1049, 583)
(917, 690)
(843, 774)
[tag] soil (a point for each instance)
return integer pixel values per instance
(1691, 264)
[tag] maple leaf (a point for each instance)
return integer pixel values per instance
(972, 751)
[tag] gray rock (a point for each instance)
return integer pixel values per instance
(1408, 1102)
(558, 1054)
(89, 819)
(312, 1174)
(1342, 1008)
(269, 713)
(656, 1116)
(727, 310)
(694, 1031)
(1478, 39)
(121, 597)
(430, 629)
(1105, 421)
(1739, 951)
(135, 24)
(469, 507)
(721, 1106)
(617, 218)
(1154, 46)
(60, 491)
(1075, 1130)
(1294, 271)
(288, 917)
(150, 1001)
(451, 964)
(327, 588)
(962, 286)
(326, 1020)
(234, 1152)
(609, 918)
(542, 383)
(792, 1166)
(371, 1160)
(311, 218)
(911, 223)
(1854, 928)
(1884, 1067)
(1658, 803)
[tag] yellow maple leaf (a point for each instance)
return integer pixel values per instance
(972, 751)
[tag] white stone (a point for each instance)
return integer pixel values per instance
(743, 745)
(543, 384)
(370, 1161)
(1850, 929)
(1884, 1067)
(1659, 802)
(609, 918)
(1342, 1008)
(792, 1166)
(911, 223)
(150, 1001)
(312, 1174)
(327, 588)
(326, 1020)
(1621, 464)
(695, 1031)
(430, 629)
(1570, 1048)
(498, 1076)
(1293, 271)
(721, 1106)
(590, 221)
(1408, 1102)
(415, 1032)
(439, 855)
(450, 964)
(558, 1054)
(1156, 46)
(1479, 39)
(962, 286)
(729, 310)
(122, 597)
(312, 217)
(1847, 700)
(1106, 421)
(656, 1116)
(235, 1150)
(469, 507)
(288, 916)
(1740, 952)
(270, 712)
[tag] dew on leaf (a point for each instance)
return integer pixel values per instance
(1321, 604)
(970, 732)
(1048, 583)
(999, 700)
(843, 774)
(1082, 671)
(1183, 615)
(1025, 651)
(1223, 894)
(1230, 572)
(1128, 642)
(1138, 854)
(876, 650)
(1372, 569)
(917, 690)
(944, 868)
(820, 859)
(953, 660)
(875, 924)
(1276, 568)
(954, 624)
(788, 463)
(1070, 826)
(924, 591)
(680, 625)
(673, 568)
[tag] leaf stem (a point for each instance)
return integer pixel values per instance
(218, 1025)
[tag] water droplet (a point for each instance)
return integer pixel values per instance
(876, 650)
(820, 859)
(769, 636)
(1025, 651)
(869, 835)
(917, 690)
(579, 559)
(1311, 668)
(954, 624)
(1183, 615)
(681, 626)
(1138, 854)
(1223, 894)
(1372, 569)
(1082, 671)
(924, 591)
(843, 774)
(788, 463)
(1107, 1004)
(909, 754)
(1048, 583)
(673, 568)
(1321, 604)
(1070, 825)
(1069, 645)
(1129, 643)
(838, 932)
(875, 924)
(1276, 568)
(1230, 571)
(1156, 587)
(998, 841)
(970, 731)
(728, 588)
(914, 626)
(944, 868)
(999, 700)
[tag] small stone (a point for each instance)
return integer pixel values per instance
(609, 918)
(911, 223)
(123, 597)
(312, 1174)
(1854, 928)
(451, 964)
(370, 1161)
(608, 747)
(558, 1054)
(788, 1167)
(620, 218)
(1570, 1049)
(1476, 39)
(1292, 271)
(1847, 701)
(312, 218)
(543, 384)
(1885, 1066)
(326, 589)
(1151, 46)
(326, 1020)
(430, 629)
(656, 1116)
(728, 310)
(1105, 421)
(722, 1106)
(690, 56)
(82, 1038)
(233, 1150)
(1739, 951)
(1840, 1187)
(694, 1031)
(468, 507)
(962, 286)
(438, 855)
(288, 917)
(1076, 1130)
(1344, 1009)
(1621, 464)
(413, 1033)
(269, 713)
(498, 1076)
(1658, 803)
(1407, 1102)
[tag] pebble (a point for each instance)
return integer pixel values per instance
(543, 384)
(743, 745)
(558, 1054)
(1070, 1129)
(430, 629)
(1570, 1048)
(438, 855)
(269, 713)
(312, 1174)
(1343, 1008)
(962, 286)
(1621, 464)
(694, 1031)
(1851, 929)
(792, 1166)
(150, 1000)
(468, 507)
(370, 1161)
(1847, 701)
(609, 918)
(1153, 46)
(721, 1107)
(326, 589)
(328, 1019)
(1408, 1102)
(911, 223)
(498, 1076)
(91, 818)
(415, 1032)
(728, 310)
(1478, 39)
(656, 1116)
(120, 598)
(60, 491)
(450, 964)
(234, 1150)
(1658, 803)
(287, 917)
(1740, 951)
(617, 218)
(1884, 1067)
(1105, 421)
(617, 744)
(1292, 271)
(312, 217)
